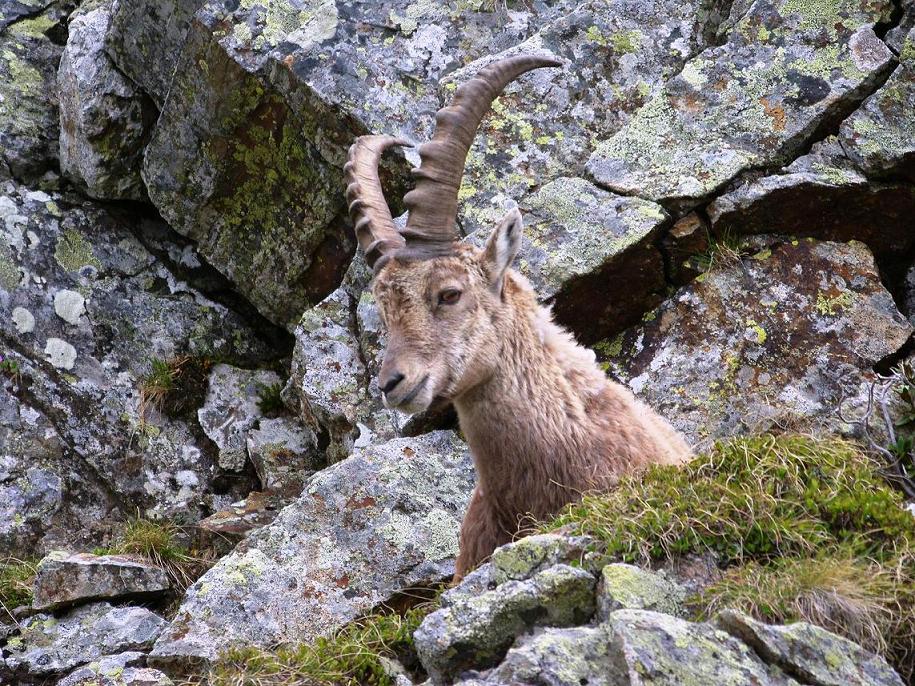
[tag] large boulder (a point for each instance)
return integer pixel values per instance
(286, 87)
(28, 92)
(47, 646)
(784, 335)
(384, 519)
(784, 72)
(104, 119)
(145, 41)
(85, 309)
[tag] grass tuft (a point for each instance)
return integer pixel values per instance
(353, 656)
(270, 400)
(806, 529)
(16, 577)
(158, 543)
(176, 386)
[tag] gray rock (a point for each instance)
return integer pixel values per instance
(474, 632)
(895, 37)
(908, 295)
(880, 136)
(238, 518)
(284, 453)
(810, 654)
(104, 119)
(825, 196)
(384, 519)
(230, 410)
(131, 676)
(110, 667)
(47, 646)
(16, 10)
(786, 71)
(66, 578)
(145, 41)
(91, 444)
(28, 102)
(626, 587)
(652, 648)
(780, 336)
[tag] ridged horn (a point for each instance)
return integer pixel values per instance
(368, 209)
(433, 202)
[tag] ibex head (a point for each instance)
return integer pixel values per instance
(441, 300)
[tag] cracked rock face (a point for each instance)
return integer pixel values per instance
(385, 518)
(84, 307)
(104, 119)
(781, 335)
(786, 70)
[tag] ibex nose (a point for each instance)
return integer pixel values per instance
(391, 383)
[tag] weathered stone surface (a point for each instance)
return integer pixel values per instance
(783, 335)
(895, 37)
(908, 295)
(652, 648)
(28, 95)
(15, 10)
(47, 645)
(230, 410)
(104, 119)
(578, 240)
(232, 133)
(284, 453)
(810, 654)
(131, 676)
(90, 441)
(145, 41)
(384, 519)
(236, 520)
(822, 195)
(626, 587)
(65, 578)
(880, 135)
(474, 632)
(106, 670)
(787, 70)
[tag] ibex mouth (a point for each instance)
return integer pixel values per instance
(411, 396)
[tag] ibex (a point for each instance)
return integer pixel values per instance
(543, 422)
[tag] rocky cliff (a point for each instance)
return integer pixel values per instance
(719, 198)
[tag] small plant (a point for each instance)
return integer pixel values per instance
(722, 251)
(16, 577)
(353, 656)
(270, 400)
(158, 542)
(9, 368)
(176, 386)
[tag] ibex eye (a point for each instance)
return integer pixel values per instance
(449, 296)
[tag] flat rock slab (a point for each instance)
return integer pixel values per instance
(47, 645)
(384, 519)
(823, 195)
(787, 70)
(783, 335)
(64, 578)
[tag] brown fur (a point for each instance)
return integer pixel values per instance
(543, 422)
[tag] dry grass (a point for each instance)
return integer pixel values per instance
(16, 577)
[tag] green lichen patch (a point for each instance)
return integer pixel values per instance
(807, 528)
(360, 653)
(73, 251)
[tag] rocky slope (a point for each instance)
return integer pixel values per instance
(719, 197)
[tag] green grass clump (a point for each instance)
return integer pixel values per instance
(16, 577)
(353, 656)
(805, 528)
(176, 386)
(158, 542)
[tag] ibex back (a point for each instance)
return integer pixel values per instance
(543, 422)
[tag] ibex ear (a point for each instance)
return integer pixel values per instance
(501, 249)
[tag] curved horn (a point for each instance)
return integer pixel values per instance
(368, 209)
(433, 202)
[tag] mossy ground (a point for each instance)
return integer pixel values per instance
(804, 528)
(354, 656)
